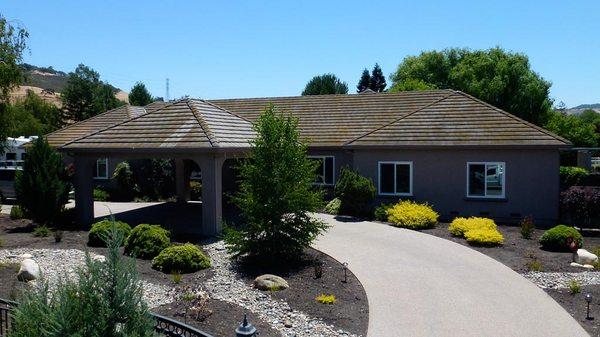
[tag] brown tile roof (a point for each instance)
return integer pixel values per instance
(188, 123)
(412, 118)
(458, 119)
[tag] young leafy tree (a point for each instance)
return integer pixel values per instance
(364, 82)
(33, 116)
(276, 193)
(377, 82)
(104, 299)
(574, 129)
(12, 44)
(325, 85)
(498, 77)
(139, 95)
(41, 187)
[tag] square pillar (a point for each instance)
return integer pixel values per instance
(584, 159)
(182, 180)
(211, 167)
(84, 187)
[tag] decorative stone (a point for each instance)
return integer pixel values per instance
(575, 264)
(588, 266)
(26, 256)
(270, 282)
(28, 271)
(99, 258)
(584, 257)
(287, 323)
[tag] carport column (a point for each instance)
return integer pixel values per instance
(182, 181)
(84, 186)
(212, 193)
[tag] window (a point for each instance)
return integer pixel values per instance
(11, 156)
(485, 180)
(325, 172)
(395, 178)
(101, 169)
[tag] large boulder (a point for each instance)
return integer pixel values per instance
(270, 282)
(28, 271)
(582, 256)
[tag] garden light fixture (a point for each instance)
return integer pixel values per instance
(245, 329)
(345, 264)
(588, 299)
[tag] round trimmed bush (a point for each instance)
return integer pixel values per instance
(147, 241)
(186, 258)
(101, 229)
(459, 226)
(410, 214)
(555, 239)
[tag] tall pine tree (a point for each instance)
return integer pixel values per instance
(377, 82)
(365, 81)
(139, 95)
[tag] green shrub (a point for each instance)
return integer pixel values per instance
(41, 231)
(100, 195)
(195, 190)
(16, 212)
(574, 287)
(42, 186)
(100, 230)
(527, 227)
(355, 192)
(99, 300)
(570, 175)
(325, 299)
(381, 211)
(410, 214)
(186, 258)
(126, 181)
(333, 207)
(534, 265)
(556, 238)
(147, 241)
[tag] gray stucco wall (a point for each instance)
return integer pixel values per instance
(440, 178)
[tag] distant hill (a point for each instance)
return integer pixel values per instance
(49, 83)
(594, 106)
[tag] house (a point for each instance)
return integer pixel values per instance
(462, 155)
(11, 161)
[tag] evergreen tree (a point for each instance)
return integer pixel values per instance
(104, 300)
(41, 187)
(139, 95)
(325, 85)
(276, 193)
(377, 82)
(365, 81)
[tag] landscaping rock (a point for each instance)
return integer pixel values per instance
(584, 257)
(99, 258)
(588, 266)
(28, 271)
(270, 282)
(575, 264)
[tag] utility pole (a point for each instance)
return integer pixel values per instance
(167, 95)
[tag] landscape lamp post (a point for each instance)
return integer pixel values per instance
(345, 264)
(588, 299)
(245, 329)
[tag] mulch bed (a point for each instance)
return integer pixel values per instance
(350, 312)
(517, 252)
(576, 305)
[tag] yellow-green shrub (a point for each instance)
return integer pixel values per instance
(484, 237)
(412, 215)
(459, 226)
(326, 299)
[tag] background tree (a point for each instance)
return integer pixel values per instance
(41, 187)
(276, 195)
(325, 85)
(364, 82)
(12, 44)
(85, 95)
(590, 116)
(377, 82)
(574, 129)
(139, 95)
(495, 76)
(33, 116)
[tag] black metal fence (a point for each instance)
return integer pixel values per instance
(164, 326)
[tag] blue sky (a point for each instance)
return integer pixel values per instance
(220, 49)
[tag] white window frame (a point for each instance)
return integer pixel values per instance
(323, 157)
(395, 163)
(486, 163)
(97, 176)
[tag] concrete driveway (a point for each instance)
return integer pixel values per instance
(421, 285)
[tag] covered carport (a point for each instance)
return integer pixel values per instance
(186, 131)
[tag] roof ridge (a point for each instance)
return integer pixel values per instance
(452, 92)
(203, 124)
(115, 125)
(230, 112)
(518, 119)
(332, 95)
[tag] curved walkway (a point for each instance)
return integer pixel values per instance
(421, 285)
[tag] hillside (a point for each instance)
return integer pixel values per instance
(49, 83)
